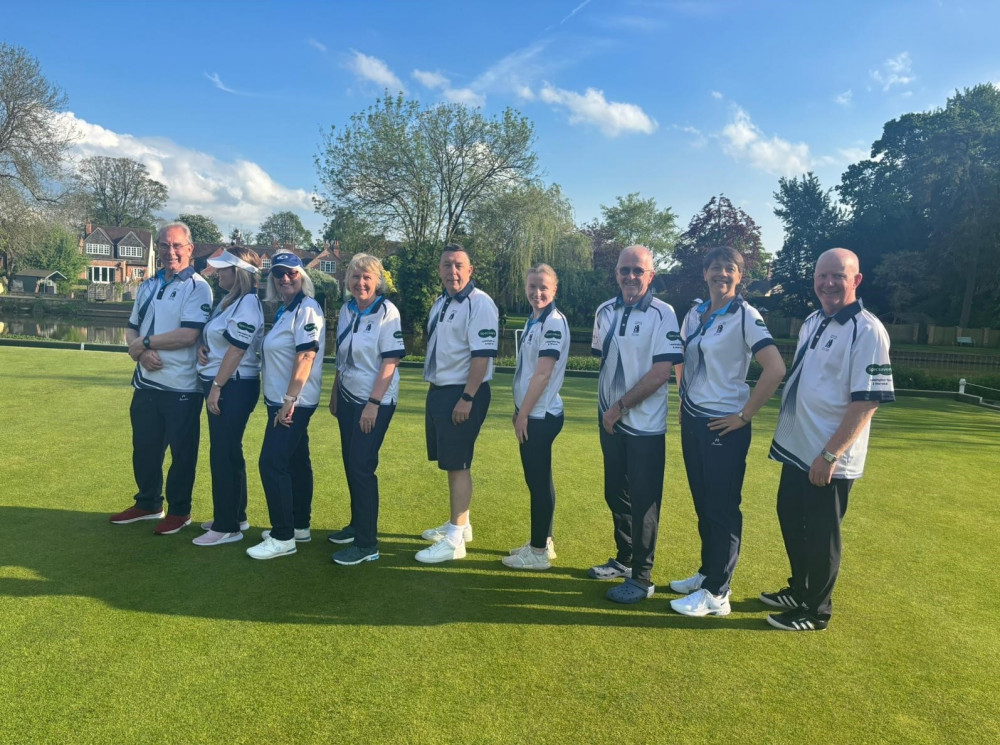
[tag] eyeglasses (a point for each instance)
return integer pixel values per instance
(171, 246)
(280, 272)
(632, 271)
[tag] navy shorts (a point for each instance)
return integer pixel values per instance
(450, 445)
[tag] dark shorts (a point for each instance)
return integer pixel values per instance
(450, 445)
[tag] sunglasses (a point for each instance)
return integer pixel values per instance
(633, 271)
(282, 272)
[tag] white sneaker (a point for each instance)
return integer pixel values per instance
(271, 548)
(207, 525)
(702, 603)
(441, 551)
(441, 531)
(214, 538)
(527, 559)
(302, 535)
(689, 585)
(550, 549)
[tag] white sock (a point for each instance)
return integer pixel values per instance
(455, 534)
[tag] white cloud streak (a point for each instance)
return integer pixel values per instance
(437, 81)
(716, 95)
(844, 99)
(217, 81)
(374, 70)
(744, 140)
(239, 192)
(896, 70)
(318, 45)
(575, 10)
(611, 117)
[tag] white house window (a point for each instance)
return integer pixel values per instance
(329, 267)
(138, 273)
(102, 274)
(265, 263)
(130, 252)
(99, 249)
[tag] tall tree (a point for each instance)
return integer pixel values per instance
(120, 192)
(203, 229)
(812, 223)
(284, 227)
(57, 250)
(719, 223)
(633, 220)
(33, 145)
(414, 171)
(240, 237)
(353, 234)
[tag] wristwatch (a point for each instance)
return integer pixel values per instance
(145, 341)
(467, 397)
(828, 456)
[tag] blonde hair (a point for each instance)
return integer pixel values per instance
(543, 269)
(367, 263)
(274, 296)
(243, 280)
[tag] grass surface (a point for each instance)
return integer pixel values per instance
(110, 634)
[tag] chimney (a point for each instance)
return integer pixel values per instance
(88, 228)
(336, 249)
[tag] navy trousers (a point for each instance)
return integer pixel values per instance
(536, 460)
(237, 400)
(810, 518)
(633, 489)
(715, 468)
(360, 454)
(286, 473)
(162, 419)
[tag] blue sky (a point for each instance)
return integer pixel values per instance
(680, 101)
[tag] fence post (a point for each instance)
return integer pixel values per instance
(961, 385)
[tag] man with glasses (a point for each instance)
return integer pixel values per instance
(638, 340)
(170, 310)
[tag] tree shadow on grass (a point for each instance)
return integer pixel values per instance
(56, 552)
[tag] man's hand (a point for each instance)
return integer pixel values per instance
(611, 417)
(203, 354)
(821, 471)
(150, 360)
(136, 348)
(461, 412)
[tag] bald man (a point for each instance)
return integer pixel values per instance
(840, 375)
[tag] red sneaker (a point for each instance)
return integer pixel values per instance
(171, 524)
(134, 514)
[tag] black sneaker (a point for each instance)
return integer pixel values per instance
(798, 620)
(344, 535)
(355, 555)
(786, 597)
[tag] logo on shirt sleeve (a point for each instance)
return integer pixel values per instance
(553, 334)
(246, 327)
(879, 370)
(487, 333)
(397, 334)
(206, 308)
(760, 322)
(310, 327)
(674, 335)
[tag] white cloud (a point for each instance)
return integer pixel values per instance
(698, 140)
(844, 99)
(854, 154)
(716, 95)
(430, 79)
(743, 140)
(435, 80)
(316, 44)
(515, 71)
(524, 92)
(214, 77)
(374, 70)
(239, 192)
(611, 117)
(894, 71)
(575, 10)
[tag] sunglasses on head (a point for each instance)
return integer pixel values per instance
(635, 271)
(281, 271)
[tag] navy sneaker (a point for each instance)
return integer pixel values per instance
(798, 620)
(355, 555)
(344, 535)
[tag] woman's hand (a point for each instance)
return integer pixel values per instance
(284, 415)
(521, 427)
(726, 424)
(203, 354)
(212, 402)
(368, 416)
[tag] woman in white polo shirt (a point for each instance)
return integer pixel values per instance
(229, 370)
(293, 374)
(720, 336)
(538, 410)
(364, 395)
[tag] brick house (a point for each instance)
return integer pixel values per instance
(123, 256)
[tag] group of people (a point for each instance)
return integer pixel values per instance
(186, 351)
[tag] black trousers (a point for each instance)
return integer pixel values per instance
(810, 518)
(633, 489)
(715, 468)
(536, 459)
(162, 419)
(237, 400)
(360, 455)
(286, 473)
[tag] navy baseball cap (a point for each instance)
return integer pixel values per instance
(287, 259)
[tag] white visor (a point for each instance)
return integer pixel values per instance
(228, 259)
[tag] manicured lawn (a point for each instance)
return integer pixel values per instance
(112, 635)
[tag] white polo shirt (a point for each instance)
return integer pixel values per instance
(717, 352)
(161, 306)
(629, 340)
(838, 360)
(460, 327)
(365, 338)
(298, 328)
(546, 337)
(240, 325)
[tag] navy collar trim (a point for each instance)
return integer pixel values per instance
(352, 305)
(183, 274)
(545, 313)
(732, 307)
(295, 302)
(463, 294)
(848, 312)
(642, 304)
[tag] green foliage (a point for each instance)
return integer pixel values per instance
(632, 220)
(284, 227)
(58, 250)
(203, 229)
(119, 192)
(326, 286)
(414, 269)
(581, 291)
(354, 234)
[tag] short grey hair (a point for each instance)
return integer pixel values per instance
(176, 224)
(367, 263)
(274, 296)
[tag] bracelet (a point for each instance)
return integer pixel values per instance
(467, 397)
(290, 399)
(215, 384)
(374, 401)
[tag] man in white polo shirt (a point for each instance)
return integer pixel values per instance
(841, 373)
(170, 310)
(461, 345)
(638, 340)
